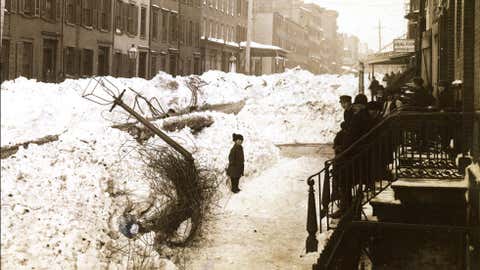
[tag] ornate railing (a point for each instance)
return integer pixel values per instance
(408, 144)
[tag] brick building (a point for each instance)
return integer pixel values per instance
(189, 37)
(319, 27)
(310, 17)
(52, 39)
(40, 41)
(174, 40)
(449, 49)
(224, 26)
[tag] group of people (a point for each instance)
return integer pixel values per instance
(361, 116)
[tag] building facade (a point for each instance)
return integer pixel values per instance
(54, 40)
(223, 28)
(307, 22)
(448, 51)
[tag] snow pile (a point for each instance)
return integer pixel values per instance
(59, 204)
(60, 200)
(300, 107)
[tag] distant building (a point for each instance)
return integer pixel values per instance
(131, 29)
(224, 26)
(311, 33)
(350, 50)
(57, 39)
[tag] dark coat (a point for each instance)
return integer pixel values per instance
(358, 126)
(235, 162)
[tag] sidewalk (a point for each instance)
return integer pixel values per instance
(262, 227)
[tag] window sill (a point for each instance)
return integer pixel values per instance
(70, 24)
(49, 20)
(28, 16)
(87, 27)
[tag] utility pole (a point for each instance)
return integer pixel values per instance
(249, 36)
(2, 14)
(379, 35)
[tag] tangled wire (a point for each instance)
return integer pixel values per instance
(182, 194)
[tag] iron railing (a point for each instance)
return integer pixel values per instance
(406, 144)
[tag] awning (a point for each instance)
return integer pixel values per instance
(389, 58)
(264, 50)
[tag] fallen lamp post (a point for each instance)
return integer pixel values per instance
(118, 101)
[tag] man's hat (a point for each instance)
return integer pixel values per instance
(237, 137)
(345, 98)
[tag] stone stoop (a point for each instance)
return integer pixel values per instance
(422, 201)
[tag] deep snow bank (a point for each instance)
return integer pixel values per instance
(60, 200)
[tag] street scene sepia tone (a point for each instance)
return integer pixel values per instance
(240, 134)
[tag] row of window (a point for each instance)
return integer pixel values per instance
(47, 9)
(229, 7)
(214, 29)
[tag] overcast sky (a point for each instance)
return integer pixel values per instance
(360, 17)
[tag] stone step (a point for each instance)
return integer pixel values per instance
(429, 191)
(389, 209)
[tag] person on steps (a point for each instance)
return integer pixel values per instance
(236, 162)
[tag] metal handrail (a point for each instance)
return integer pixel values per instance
(395, 137)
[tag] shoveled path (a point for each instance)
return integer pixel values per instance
(263, 226)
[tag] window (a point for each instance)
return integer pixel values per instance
(204, 29)
(105, 15)
(181, 31)
(8, 6)
(197, 35)
(154, 24)
(29, 7)
(69, 61)
(87, 62)
(27, 60)
(48, 9)
(173, 28)
(164, 26)
(132, 19)
(143, 22)
(119, 15)
(87, 13)
(239, 7)
(70, 10)
(190, 33)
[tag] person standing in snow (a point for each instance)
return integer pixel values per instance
(236, 162)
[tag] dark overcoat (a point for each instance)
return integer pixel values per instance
(235, 162)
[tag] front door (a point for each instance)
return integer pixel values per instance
(103, 59)
(173, 65)
(142, 65)
(49, 59)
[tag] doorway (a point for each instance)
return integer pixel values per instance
(49, 60)
(142, 65)
(103, 61)
(173, 65)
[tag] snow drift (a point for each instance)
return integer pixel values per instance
(60, 200)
